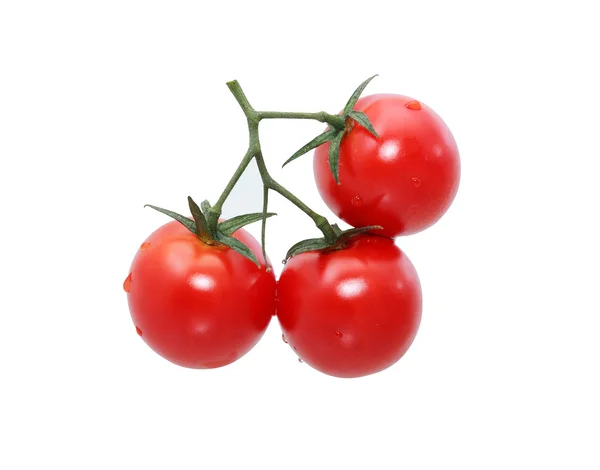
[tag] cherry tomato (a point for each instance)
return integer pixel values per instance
(351, 312)
(196, 305)
(404, 181)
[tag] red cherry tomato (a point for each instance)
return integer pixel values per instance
(351, 312)
(405, 180)
(196, 305)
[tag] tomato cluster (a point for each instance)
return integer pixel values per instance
(347, 308)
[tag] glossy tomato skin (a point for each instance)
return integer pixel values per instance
(199, 306)
(352, 312)
(404, 181)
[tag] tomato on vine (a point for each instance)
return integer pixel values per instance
(350, 312)
(198, 302)
(403, 178)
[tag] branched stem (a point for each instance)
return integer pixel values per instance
(335, 121)
(254, 152)
(234, 179)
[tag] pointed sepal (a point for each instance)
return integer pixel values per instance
(319, 140)
(334, 156)
(229, 226)
(185, 221)
(201, 223)
(356, 95)
(237, 246)
(312, 244)
(364, 121)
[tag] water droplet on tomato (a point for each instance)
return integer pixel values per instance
(127, 284)
(339, 334)
(145, 246)
(284, 261)
(414, 105)
(138, 331)
(294, 348)
(300, 361)
(416, 181)
(357, 201)
(284, 339)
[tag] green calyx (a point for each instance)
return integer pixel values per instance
(321, 244)
(219, 233)
(335, 134)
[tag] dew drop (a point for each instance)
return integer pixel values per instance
(294, 348)
(127, 284)
(339, 334)
(414, 105)
(357, 201)
(284, 339)
(416, 181)
(138, 331)
(145, 246)
(300, 361)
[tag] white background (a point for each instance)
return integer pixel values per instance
(106, 106)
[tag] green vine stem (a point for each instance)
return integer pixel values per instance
(338, 122)
(254, 152)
